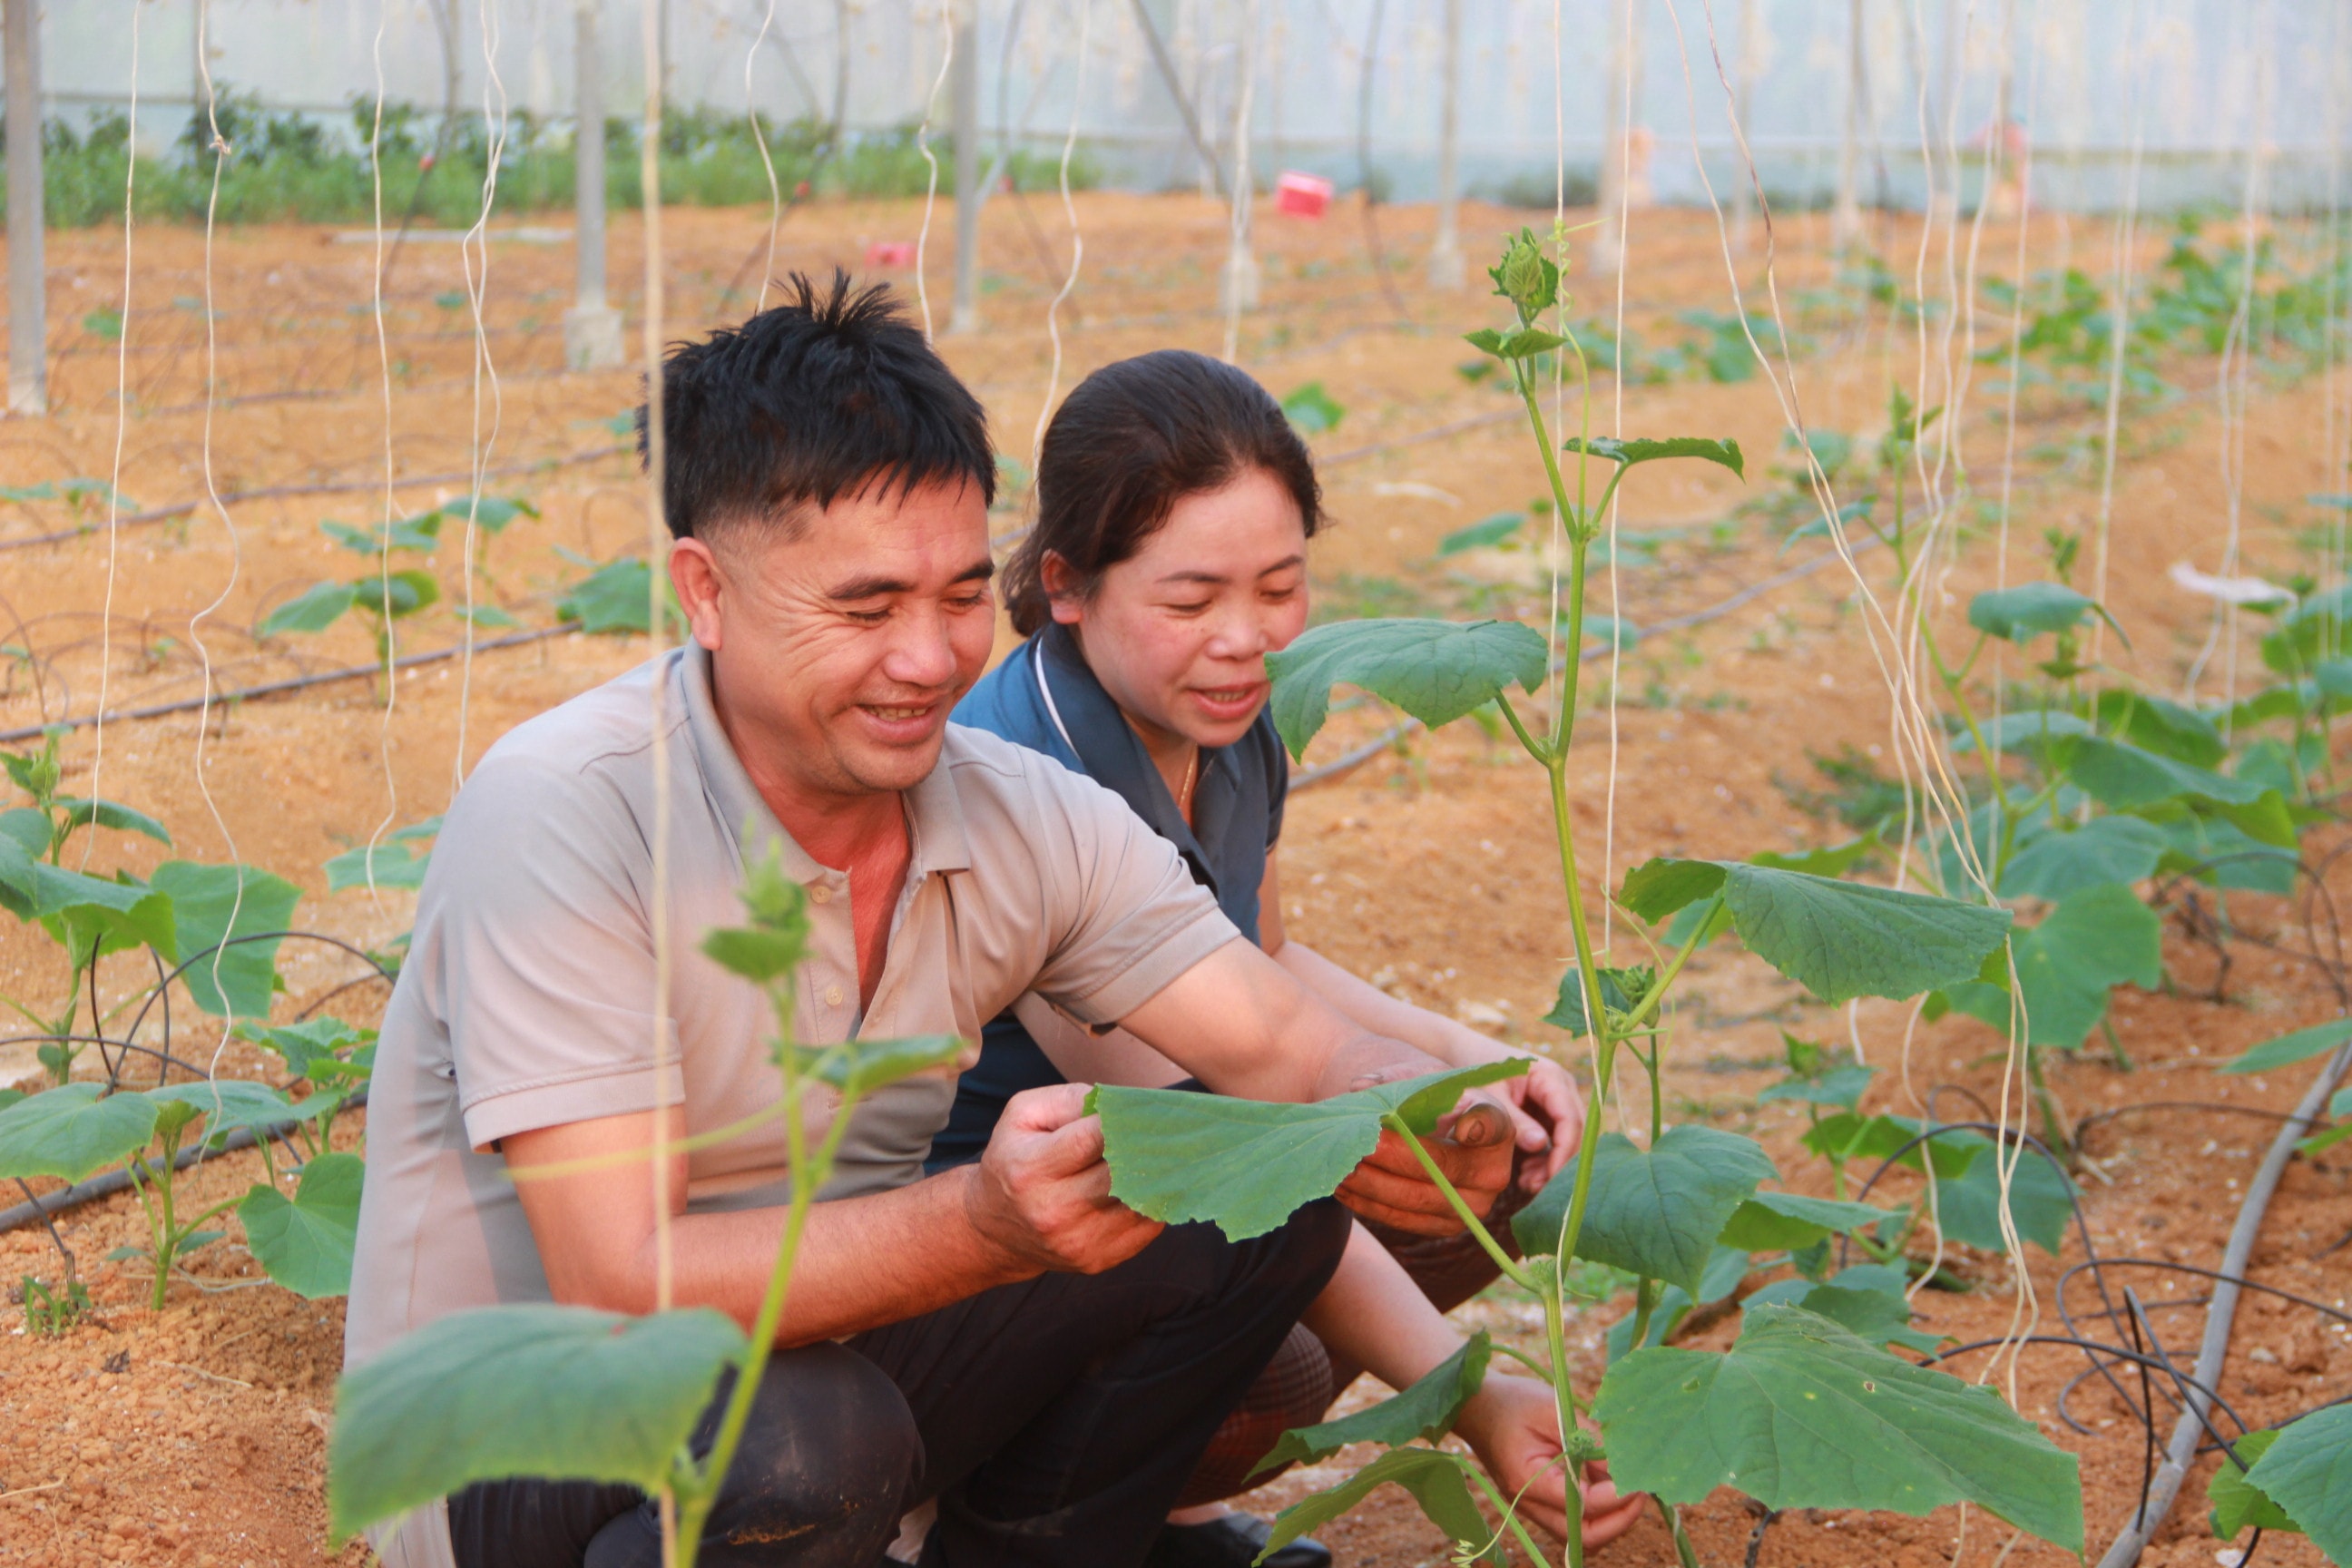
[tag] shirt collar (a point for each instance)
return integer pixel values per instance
(1114, 756)
(935, 821)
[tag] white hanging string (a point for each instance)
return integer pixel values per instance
(474, 256)
(656, 625)
(114, 480)
(1616, 502)
(923, 145)
(383, 379)
(2126, 235)
(767, 161)
(220, 150)
(1077, 241)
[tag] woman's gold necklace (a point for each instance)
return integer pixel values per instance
(1184, 790)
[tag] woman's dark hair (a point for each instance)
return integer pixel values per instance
(819, 397)
(1129, 443)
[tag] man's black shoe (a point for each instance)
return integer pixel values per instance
(1233, 1542)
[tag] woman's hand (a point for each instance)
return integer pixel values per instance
(1548, 1111)
(1513, 1425)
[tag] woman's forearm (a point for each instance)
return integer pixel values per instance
(1374, 1315)
(1383, 1014)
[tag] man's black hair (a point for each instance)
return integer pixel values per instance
(822, 396)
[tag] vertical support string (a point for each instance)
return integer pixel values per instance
(1077, 240)
(114, 477)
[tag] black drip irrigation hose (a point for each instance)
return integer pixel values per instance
(2181, 1452)
(39, 1209)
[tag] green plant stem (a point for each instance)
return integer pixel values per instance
(1512, 1269)
(1645, 1305)
(697, 1497)
(1564, 1400)
(1685, 1554)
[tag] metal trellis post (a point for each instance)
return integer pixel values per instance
(28, 368)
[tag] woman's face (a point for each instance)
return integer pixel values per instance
(1178, 633)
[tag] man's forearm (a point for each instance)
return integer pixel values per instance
(863, 1262)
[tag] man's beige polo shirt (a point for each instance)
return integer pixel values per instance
(527, 1000)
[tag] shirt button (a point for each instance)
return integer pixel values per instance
(833, 995)
(820, 894)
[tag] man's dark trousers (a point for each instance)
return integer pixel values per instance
(1055, 1421)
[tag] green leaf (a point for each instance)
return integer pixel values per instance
(1840, 939)
(80, 811)
(2027, 727)
(1483, 534)
(2286, 1050)
(229, 1103)
(2027, 611)
(91, 914)
(313, 610)
(1776, 1222)
(1619, 990)
(615, 598)
(859, 1067)
(1248, 1164)
(2123, 777)
(1425, 1411)
(1853, 1137)
(1434, 670)
(1434, 1478)
(1838, 1085)
(1311, 410)
(1830, 860)
(1653, 1212)
(69, 1131)
(489, 616)
(1486, 340)
(2096, 939)
(1626, 454)
(1527, 342)
(1800, 1413)
(2237, 1505)
(214, 908)
(490, 513)
(2308, 1472)
(30, 831)
(395, 865)
(560, 1392)
(2105, 849)
(305, 1044)
(2159, 724)
(2040, 1199)
(305, 1242)
(1877, 1317)
(390, 596)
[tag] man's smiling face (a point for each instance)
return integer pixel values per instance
(839, 645)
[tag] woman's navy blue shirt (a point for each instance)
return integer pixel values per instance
(1045, 697)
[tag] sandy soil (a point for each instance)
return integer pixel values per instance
(196, 1436)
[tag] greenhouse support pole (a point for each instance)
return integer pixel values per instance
(963, 75)
(1845, 215)
(1445, 251)
(28, 362)
(592, 328)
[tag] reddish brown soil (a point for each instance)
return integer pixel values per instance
(1431, 870)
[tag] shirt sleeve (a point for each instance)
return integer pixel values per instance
(1125, 914)
(536, 904)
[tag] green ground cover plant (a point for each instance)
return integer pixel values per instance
(297, 167)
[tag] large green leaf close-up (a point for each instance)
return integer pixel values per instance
(1840, 939)
(305, 1242)
(71, 1130)
(1248, 1164)
(1654, 1212)
(217, 912)
(561, 1392)
(2307, 1471)
(1434, 670)
(1801, 1413)
(1434, 1478)
(2105, 849)
(1425, 1412)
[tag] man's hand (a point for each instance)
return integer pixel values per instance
(1472, 1147)
(1041, 1193)
(1513, 1425)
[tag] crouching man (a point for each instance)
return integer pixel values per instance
(1004, 1338)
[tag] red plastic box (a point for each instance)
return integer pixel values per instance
(1301, 195)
